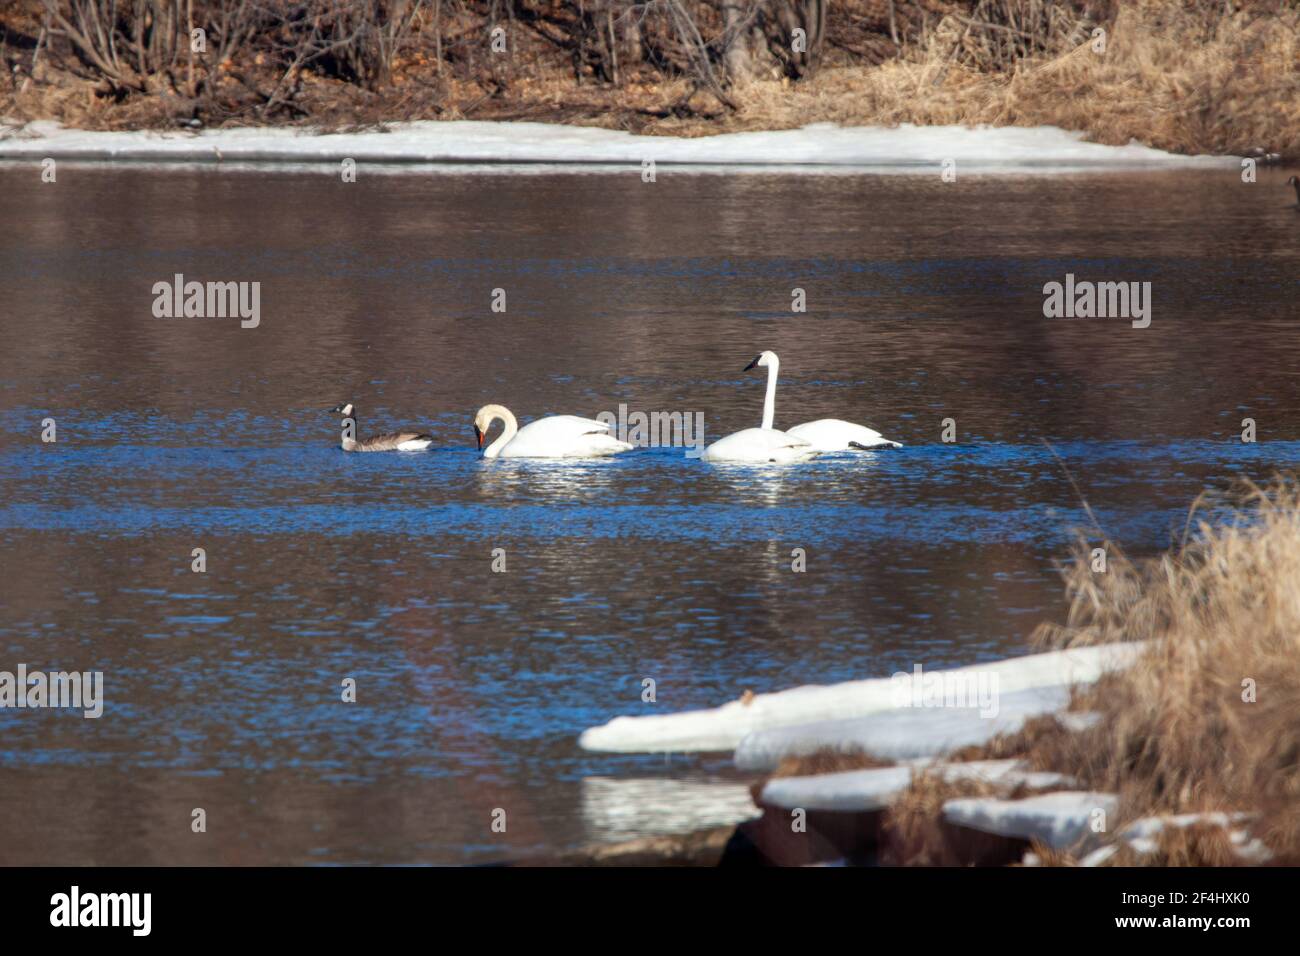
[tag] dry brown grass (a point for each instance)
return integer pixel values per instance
(1039, 737)
(827, 760)
(1178, 733)
(1200, 844)
(1192, 76)
(1173, 76)
(1222, 615)
(913, 833)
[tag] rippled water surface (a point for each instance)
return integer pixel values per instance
(924, 303)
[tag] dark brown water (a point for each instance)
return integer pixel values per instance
(924, 303)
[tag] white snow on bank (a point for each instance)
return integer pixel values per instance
(724, 727)
(902, 149)
(1142, 836)
(1059, 820)
(858, 791)
(618, 810)
(902, 733)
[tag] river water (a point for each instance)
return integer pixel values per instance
(924, 303)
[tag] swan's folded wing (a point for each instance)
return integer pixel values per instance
(573, 425)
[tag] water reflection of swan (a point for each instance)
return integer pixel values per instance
(584, 480)
(556, 436)
(764, 487)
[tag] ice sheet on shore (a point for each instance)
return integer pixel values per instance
(1059, 820)
(723, 728)
(615, 810)
(859, 791)
(903, 733)
(900, 149)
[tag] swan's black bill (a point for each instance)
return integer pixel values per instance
(478, 436)
(753, 364)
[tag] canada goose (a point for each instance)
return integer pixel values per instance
(391, 441)
(1293, 181)
(556, 436)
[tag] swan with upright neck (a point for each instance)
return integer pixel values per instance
(556, 436)
(765, 444)
(824, 434)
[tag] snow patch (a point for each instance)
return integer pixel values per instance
(858, 791)
(903, 733)
(905, 148)
(723, 728)
(1142, 836)
(1059, 820)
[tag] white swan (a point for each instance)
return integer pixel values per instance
(825, 434)
(831, 434)
(556, 436)
(765, 444)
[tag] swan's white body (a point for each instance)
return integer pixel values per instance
(756, 445)
(556, 436)
(825, 434)
(765, 444)
(831, 434)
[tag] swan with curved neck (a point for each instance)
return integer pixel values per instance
(556, 436)
(824, 434)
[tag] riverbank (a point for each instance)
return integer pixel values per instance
(1184, 77)
(1163, 731)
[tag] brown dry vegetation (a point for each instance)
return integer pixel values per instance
(1208, 719)
(1184, 75)
(827, 760)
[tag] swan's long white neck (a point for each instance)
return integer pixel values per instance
(769, 403)
(511, 426)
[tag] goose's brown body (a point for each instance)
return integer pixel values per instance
(389, 441)
(392, 441)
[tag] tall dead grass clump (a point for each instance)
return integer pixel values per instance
(1187, 76)
(1209, 717)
